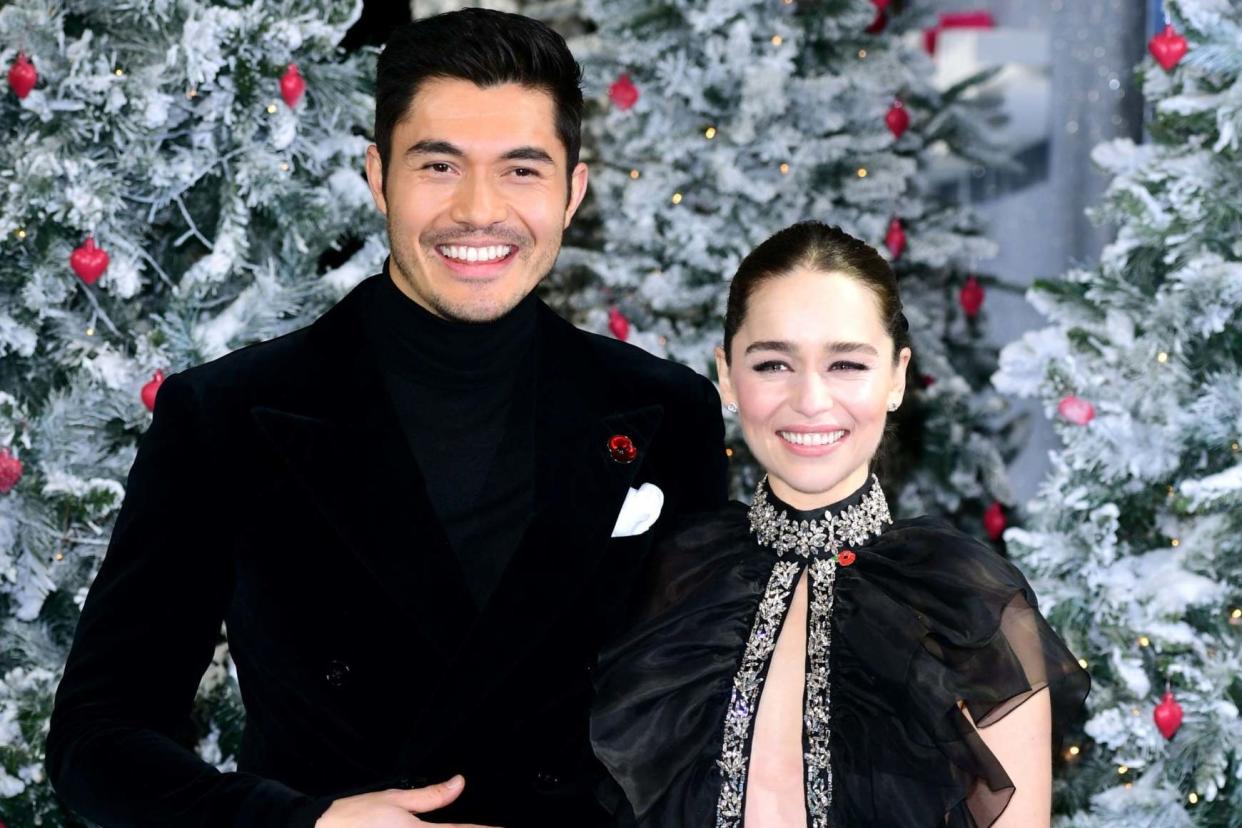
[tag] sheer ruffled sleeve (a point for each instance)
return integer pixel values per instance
(929, 618)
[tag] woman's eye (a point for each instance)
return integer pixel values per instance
(771, 365)
(847, 366)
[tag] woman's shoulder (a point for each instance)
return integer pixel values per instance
(932, 542)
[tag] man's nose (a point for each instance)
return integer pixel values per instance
(478, 204)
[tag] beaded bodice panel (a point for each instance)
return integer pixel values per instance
(816, 544)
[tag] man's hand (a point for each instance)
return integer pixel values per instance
(393, 808)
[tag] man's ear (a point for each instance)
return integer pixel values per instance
(577, 191)
(727, 395)
(375, 179)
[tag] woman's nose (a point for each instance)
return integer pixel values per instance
(812, 395)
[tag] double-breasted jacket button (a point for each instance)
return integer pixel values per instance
(336, 673)
(545, 781)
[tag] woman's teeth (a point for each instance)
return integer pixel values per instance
(461, 253)
(814, 438)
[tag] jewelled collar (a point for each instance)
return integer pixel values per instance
(865, 516)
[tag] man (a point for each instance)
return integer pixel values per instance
(405, 512)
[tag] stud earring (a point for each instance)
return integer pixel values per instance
(732, 408)
(893, 406)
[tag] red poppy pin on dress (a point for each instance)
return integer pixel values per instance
(845, 557)
(622, 448)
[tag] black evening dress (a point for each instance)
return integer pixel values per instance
(904, 620)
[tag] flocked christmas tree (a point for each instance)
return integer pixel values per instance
(722, 122)
(173, 174)
(1135, 541)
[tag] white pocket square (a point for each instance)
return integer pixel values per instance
(641, 508)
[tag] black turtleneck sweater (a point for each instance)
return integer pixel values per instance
(464, 394)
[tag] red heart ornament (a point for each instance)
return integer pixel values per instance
(618, 324)
(994, 520)
(1168, 715)
(897, 119)
(89, 261)
(22, 76)
(970, 297)
(1077, 410)
(10, 471)
(623, 93)
(151, 389)
(292, 85)
(895, 238)
(1168, 47)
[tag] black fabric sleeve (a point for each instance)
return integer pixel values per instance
(120, 746)
(707, 467)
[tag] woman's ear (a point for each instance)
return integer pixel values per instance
(727, 396)
(899, 376)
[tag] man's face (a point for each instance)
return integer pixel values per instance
(476, 197)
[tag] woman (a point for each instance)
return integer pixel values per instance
(806, 661)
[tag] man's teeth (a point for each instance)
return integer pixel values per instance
(462, 253)
(816, 438)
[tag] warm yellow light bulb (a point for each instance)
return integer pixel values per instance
(1237, 613)
(271, 109)
(90, 331)
(120, 73)
(60, 556)
(677, 198)
(784, 169)
(709, 133)
(1122, 769)
(777, 40)
(728, 452)
(21, 233)
(1144, 641)
(1162, 357)
(1193, 798)
(1234, 445)
(1082, 662)
(1074, 750)
(862, 172)
(284, 166)
(634, 174)
(1176, 542)
(862, 54)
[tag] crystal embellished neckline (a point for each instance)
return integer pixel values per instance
(819, 537)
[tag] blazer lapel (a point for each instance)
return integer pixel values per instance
(580, 488)
(349, 453)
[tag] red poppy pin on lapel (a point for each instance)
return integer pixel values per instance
(622, 448)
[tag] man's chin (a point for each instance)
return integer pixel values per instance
(477, 310)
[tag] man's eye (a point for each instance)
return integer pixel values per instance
(438, 166)
(526, 172)
(771, 365)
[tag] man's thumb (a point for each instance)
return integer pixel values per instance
(432, 797)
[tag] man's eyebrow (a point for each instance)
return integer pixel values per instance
(431, 146)
(832, 347)
(527, 154)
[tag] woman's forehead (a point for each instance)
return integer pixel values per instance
(814, 305)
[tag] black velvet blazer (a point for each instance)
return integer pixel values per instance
(275, 491)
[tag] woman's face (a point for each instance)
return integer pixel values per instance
(812, 374)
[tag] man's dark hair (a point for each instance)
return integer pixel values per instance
(487, 48)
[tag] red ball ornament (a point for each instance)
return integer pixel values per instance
(926, 380)
(897, 119)
(618, 324)
(1077, 410)
(623, 93)
(970, 297)
(10, 473)
(292, 85)
(151, 389)
(881, 16)
(1168, 47)
(895, 238)
(846, 557)
(622, 448)
(89, 261)
(22, 76)
(1168, 715)
(994, 520)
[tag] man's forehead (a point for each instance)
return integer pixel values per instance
(480, 120)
